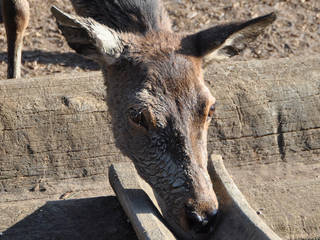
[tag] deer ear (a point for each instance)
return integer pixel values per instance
(227, 40)
(89, 38)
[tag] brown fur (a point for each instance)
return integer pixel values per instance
(160, 106)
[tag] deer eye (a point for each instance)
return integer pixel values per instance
(211, 111)
(138, 118)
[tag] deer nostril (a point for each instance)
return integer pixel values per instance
(201, 224)
(194, 219)
(212, 217)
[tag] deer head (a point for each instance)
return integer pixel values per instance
(161, 108)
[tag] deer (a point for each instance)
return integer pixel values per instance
(16, 14)
(159, 104)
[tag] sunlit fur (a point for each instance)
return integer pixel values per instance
(157, 98)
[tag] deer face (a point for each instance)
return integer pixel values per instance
(161, 111)
(161, 108)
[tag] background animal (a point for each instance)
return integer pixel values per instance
(15, 15)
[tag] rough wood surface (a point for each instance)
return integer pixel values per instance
(144, 216)
(234, 209)
(53, 129)
(55, 140)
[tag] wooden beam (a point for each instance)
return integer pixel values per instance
(133, 196)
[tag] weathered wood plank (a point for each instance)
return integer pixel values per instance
(268, 111)
(234, 209)
(53, 129)
(144, 216)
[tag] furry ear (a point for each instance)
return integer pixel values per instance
(89, 38)
(227, 40)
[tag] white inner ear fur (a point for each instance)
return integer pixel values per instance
(107, 42)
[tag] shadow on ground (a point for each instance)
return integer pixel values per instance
(90, 218)
(63, 59)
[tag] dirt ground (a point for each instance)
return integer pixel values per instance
(296, 31)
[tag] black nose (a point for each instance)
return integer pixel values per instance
(201, 223)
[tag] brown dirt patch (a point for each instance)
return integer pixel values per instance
(296, 31)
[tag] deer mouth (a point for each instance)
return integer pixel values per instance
(190, 216)
(199, 233)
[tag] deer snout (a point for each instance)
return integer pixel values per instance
(201, 206)
(201, 222)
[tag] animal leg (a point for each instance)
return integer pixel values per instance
(16, 18)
